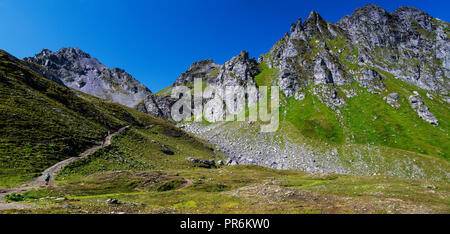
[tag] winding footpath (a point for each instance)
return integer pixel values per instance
(53, 170)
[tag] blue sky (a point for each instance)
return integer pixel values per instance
(155, 41)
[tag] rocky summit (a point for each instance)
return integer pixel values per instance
(80, 71)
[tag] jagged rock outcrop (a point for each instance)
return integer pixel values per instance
(240, 70)
(303, 58)
(76, 69)
(422, 110)
(370, 79)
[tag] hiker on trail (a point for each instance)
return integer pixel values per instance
(104, 139)
(47, 178)
(106, 136)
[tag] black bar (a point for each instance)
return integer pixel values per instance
(308, 224)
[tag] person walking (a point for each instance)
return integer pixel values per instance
(47, 178)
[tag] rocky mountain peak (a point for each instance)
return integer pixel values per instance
(74, 51)
(202, 63)
(370, 10)
(409, 11)
(201, 69)
(78, 70)
(244, 54)
(45, 52)
(313, 16)
(68, 54)
(409, 16)
(315, 25)
(369, 14)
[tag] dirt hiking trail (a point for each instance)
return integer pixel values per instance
(53, 170)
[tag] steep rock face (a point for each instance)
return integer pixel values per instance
(79, 71)
(157, 106)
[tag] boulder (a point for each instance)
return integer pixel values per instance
(422, 110)
(202, 163)
(392, 99)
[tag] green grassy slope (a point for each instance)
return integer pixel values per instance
(236, 189)
(368, 134)
(368, 119)
(43, 123)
